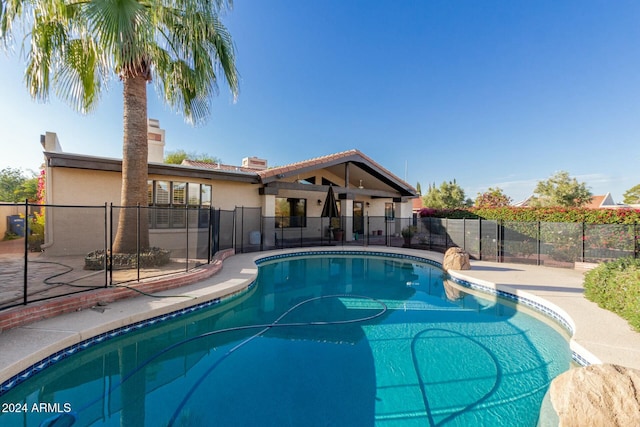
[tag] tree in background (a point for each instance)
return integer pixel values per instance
(632, 195)
(176, 157)
(492, 198)
(78, 46)
(561, 190)
(448, 196)
(418, 189)
(15, 186)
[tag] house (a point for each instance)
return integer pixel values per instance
(284, 197)
(604, 201)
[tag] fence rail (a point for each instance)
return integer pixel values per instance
(60, 250)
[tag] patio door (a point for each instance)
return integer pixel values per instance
(358, 217)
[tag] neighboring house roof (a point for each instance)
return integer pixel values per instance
(417, 203)
(602, 201)
(217, 166)
(523, 203)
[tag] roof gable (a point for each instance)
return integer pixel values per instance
(363, 162)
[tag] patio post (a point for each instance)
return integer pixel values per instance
(26, 251)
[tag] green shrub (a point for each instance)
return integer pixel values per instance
(615, 286)
(556, 214)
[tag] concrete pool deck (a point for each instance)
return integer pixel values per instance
(601, 333)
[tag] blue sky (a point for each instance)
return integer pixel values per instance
(490, 93)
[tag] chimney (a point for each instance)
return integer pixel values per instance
(254, 163)
(50, 142)
(155, 138)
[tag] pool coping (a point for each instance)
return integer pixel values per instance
(237, 274)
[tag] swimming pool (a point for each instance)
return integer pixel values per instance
(317, 340)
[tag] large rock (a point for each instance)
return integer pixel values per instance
(597, 395)
(456, 259)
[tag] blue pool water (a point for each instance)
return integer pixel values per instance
(316, 341)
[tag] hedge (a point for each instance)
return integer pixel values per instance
(615, 286)
(556, 214)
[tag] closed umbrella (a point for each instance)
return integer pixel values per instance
(330, 208)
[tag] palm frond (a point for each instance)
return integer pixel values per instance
(81, 75)
(48, 39)
(123, 29)
(76, 45)
(194, 51)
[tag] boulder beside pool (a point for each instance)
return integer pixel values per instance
(456, 259)
(597, 395)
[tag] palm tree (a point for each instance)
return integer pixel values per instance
(78, 46)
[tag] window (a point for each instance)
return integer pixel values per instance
(168, 202)
(179, 194)
(161, 203)
(291, 212)
(206, 196)
(179, 200)
(162, 193)
(194, 195)
(389, 211)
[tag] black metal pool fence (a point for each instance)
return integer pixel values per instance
(60, 250)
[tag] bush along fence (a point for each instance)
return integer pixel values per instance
(54, 250)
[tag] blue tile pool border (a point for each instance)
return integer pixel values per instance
(58, 356)
(17, 379)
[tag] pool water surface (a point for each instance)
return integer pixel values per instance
(321, 340)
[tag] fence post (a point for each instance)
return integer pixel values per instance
(367, 231)
(242, 230)
(464, 234)
(446, 234)
(539, 243)
(261, 231)
(499, 241)
(387, 238)
(186, 268)
(583, 240)
(138, 240)
(636, 241)
(111, 245)
(26, 251)
(480, 238)
(209, 234)
(216, 224)
(106, 246)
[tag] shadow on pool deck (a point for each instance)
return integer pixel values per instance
(602, 333)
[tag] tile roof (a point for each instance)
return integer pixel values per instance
(278, 172)
(329, 159)
(417, 203)
(316, 161)
(596, 202)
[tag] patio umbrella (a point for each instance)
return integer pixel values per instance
(330, 208)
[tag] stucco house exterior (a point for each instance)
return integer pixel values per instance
(297, 191)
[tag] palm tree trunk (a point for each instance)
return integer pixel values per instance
(134, 169)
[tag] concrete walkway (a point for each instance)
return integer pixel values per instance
(605, 335)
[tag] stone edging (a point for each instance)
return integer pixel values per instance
(19, 316)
